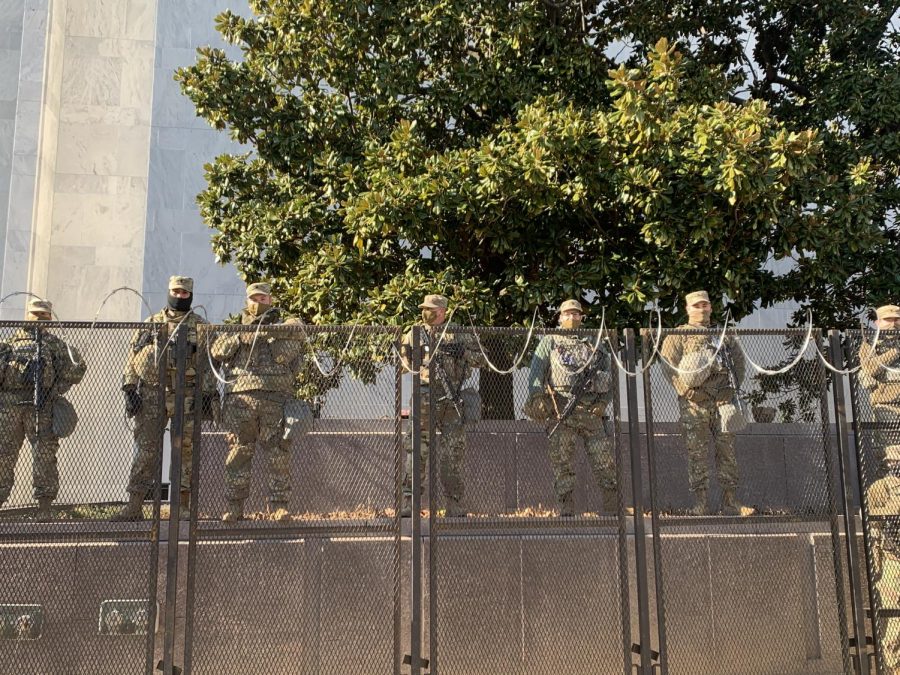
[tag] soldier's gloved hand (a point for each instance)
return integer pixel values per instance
(133, 400)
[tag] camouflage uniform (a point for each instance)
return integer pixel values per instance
(884, 508)
(884, 388)
(142, 372)
(59, 371)
(554, 370)
(699, 407)
(264, 377)
(457, 355)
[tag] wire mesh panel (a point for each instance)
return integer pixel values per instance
(873, 360)
(748, 562)
(78, 593)
(526, 543)
(295, 532)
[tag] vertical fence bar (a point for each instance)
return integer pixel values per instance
(821, 373)
(177, 437)
(637, 487)
(432, 537)
(415, 641)
(840, 414)
(161, 337)
(864, 507)
(654, 511)
(200, 367)
(398, 501)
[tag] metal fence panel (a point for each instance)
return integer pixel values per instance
(79, 592)
(752, 584)
(317, 591)
(511, 580)
(873, 361)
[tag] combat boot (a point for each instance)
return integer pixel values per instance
(611, 501)
(184, 512)
(278, 511)
(133, 510)
(455, 509)
(235, 511)
(730, 504)
(44, 511)
(406, 506)
(565, 506)
(701, 507)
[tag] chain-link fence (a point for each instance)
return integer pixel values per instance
(79, 589)
(352, 499)
(295, 529)
(748, 559)
(872, 360)
(526, 546)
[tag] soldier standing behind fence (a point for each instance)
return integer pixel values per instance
(883, 385)
(260, 404)
(445, 368)
(36, 370)
(884, 511)
(703, 393)
(140, 384)
(563, 367)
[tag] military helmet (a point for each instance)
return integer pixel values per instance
(434, 302)
(64, 418)
(570, 304)
(259, 287)
(888, 312)
(181, 283)
(696, 296)
(38, 306)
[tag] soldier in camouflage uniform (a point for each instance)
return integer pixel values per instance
(140, 384)
(883, 498)
(35, 354)
(442, 377)
(262, 381)
(558, 364)
(701, 396)
(883, 385)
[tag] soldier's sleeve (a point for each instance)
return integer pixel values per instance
(537, 371)
(737, 358)
(873, 364)
(405, 345)
(224, 346)
(671, 350)
(473, 354)
(130, 377)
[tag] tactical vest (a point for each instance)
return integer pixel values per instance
(24, 367)
(569, 355)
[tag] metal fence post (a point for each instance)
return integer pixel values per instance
(637, 488)
(177, 436)
(843, 447)
(398, 505)
(415, 640)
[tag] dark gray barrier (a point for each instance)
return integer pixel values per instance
(307, 579)
(78, 592)
(741, 597)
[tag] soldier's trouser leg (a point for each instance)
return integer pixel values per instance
(599, 448)
(696, 425)
(562, 450)
(12, 434)
(241, 421)
(424, 421)
(149, 427)
(187, 435)
(278, 450)
(887, 432)
(452, 453)
(44, 448)
(726, 462)
(888, 586)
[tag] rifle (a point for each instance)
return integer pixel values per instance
(36, 368)
(578, 390)
(437, 367)
(724, 358)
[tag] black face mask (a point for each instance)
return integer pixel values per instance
(180, 304)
